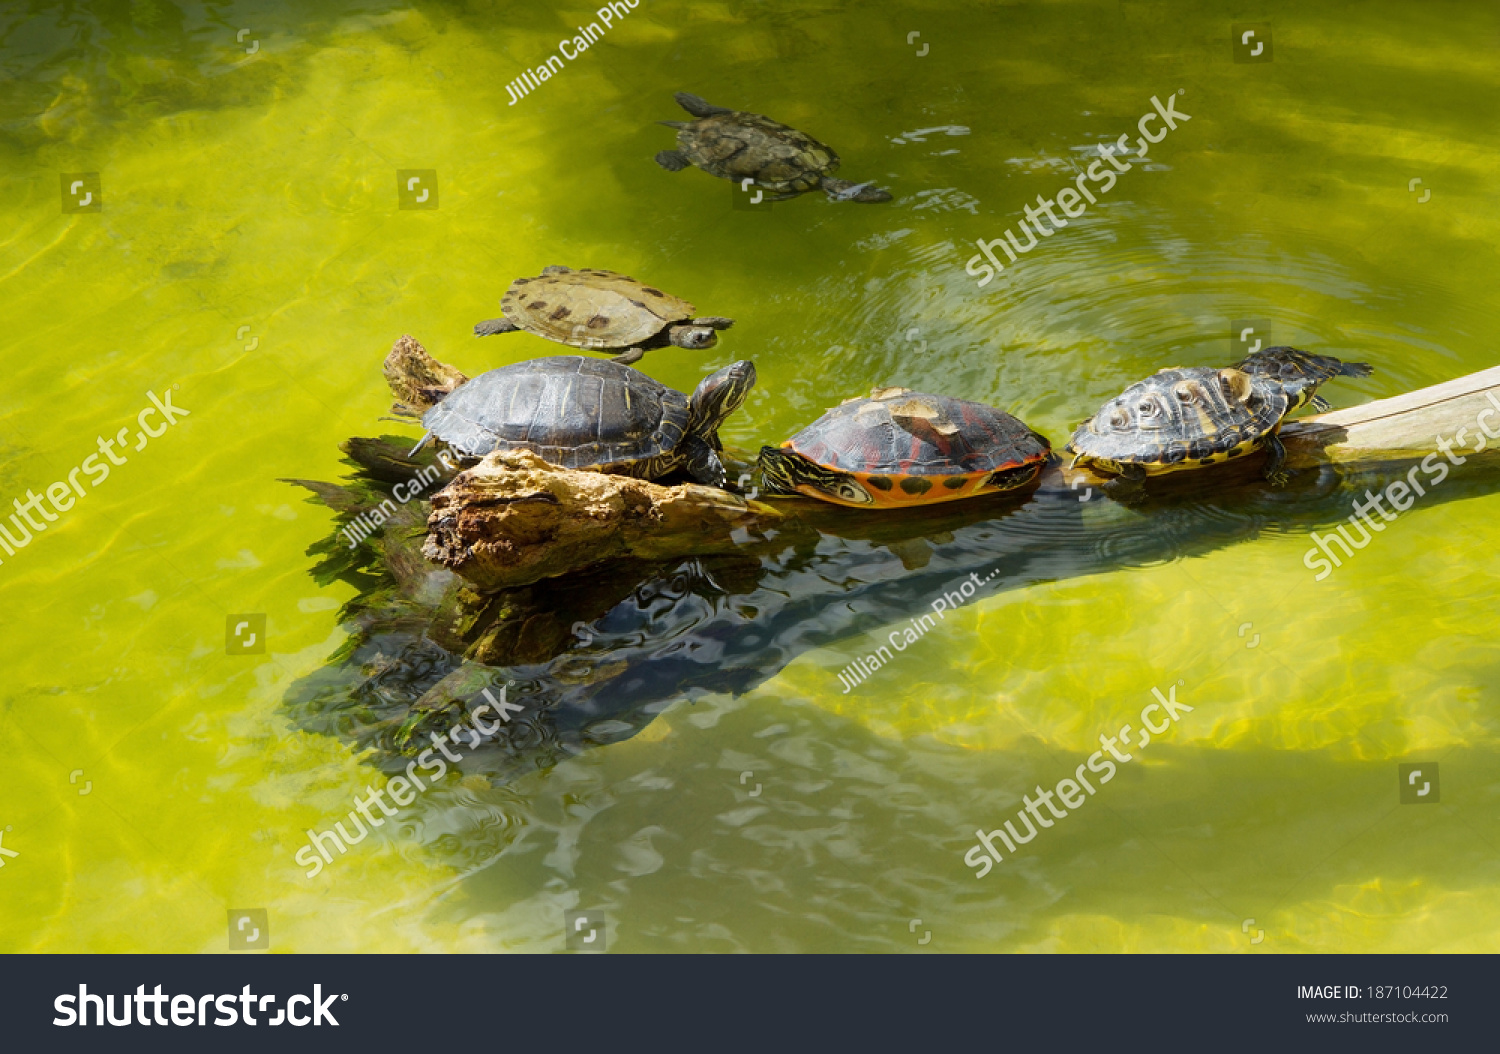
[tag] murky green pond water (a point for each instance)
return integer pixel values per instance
(250, 259)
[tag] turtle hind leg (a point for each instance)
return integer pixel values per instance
(702, 463)
(698, 107)
(1275, 460)
(494, 325)
(629, 355)
(672, 160)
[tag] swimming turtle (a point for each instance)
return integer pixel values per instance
(585, 413)
(601, 309)
(1191, 417)
(899, 448)
(741, 146)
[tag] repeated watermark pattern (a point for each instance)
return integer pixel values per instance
(1075, 200)
(366, 523)
(63, 495)
(530, 80)
(316, 853)
(985, 856)
(859, 671)
(1399, 493)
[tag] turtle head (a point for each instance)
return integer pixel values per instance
(787, 472)
(719, 395)
(693, 337)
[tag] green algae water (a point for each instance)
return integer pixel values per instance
(212, 209)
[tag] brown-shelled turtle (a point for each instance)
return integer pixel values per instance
(742, 146)
(1192, 417)
(584, 413)
(601, 310)
(899, 448)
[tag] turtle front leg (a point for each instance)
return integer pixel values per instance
(1129, 487)
(702, 463)
(1275, 459)
(629, 355)
(494, 325)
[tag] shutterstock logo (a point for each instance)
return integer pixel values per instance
(187, 1010)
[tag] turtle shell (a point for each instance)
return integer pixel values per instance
(1299, 372)
(572, 411)
(912, 448)
(591, 308)
(740, 146)
(1181, 419)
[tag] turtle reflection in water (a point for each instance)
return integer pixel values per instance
(601, 310)
(583, 413)
(741, 146)
(1193, 417)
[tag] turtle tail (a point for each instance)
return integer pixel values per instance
(676, 124)
(696, 106)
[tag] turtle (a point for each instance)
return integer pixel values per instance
(898, 448)
(750, 147)
(1191, 417)
(592, 308)
(1300, 372)
(583, 413)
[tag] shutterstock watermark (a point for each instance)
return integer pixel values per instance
(1075, 200)
(1070, 791)
(316, 853)
(63, 495)
(186, 1011)
(1399, 493)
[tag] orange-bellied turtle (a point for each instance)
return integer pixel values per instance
(587, 413)
(740, 146)
(900, 448)
(1196, 416)
(604, 310)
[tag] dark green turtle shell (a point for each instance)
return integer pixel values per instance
(570, 410)
(896, 432)
(1183, 418)
(740, 146)
(1300, 372)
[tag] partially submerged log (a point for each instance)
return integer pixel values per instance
(677, 590)
(514, 520)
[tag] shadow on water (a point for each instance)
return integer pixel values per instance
(593, 658)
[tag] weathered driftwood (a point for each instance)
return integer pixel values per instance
(513, 519)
